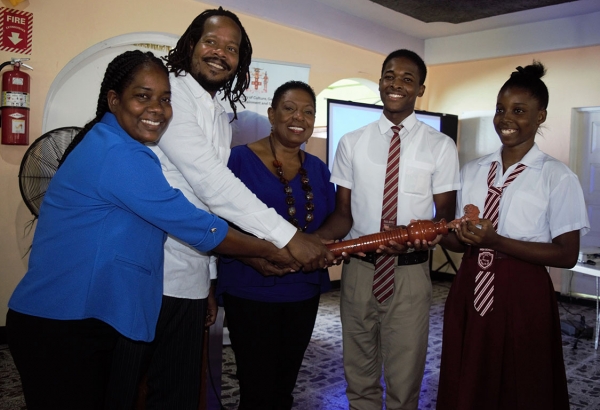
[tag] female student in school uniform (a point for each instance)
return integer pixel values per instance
(502, 345)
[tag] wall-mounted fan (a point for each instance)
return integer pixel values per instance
(40, 163)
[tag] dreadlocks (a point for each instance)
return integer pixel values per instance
(180, 58)
(119, 74)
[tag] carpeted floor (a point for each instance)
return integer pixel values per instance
(321, 384)
(11, 395)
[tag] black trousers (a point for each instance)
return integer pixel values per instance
(269, 341)
(64, 364)
(172, 363)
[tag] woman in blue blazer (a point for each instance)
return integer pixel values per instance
(96, 264)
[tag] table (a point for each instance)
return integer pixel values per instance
(593, 270)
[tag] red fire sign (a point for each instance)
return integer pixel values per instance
(15, 30)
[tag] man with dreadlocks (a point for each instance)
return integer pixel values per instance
(213, 55)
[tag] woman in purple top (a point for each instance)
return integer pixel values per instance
(270, 318)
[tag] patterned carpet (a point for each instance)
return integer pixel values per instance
(321, 384)
(11, 395)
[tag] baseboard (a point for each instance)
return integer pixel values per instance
(577, 299)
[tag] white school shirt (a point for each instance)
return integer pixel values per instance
(428, 166)
(193, 153)
(543, 202)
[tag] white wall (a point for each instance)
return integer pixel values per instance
(559, 34)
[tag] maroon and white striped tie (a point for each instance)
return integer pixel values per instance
(383, 278)
(484, 281)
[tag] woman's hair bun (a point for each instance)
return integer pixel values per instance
(535, 70)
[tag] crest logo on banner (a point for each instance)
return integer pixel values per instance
(259, 78)
(265, 76)
(485, 259)
(15, 30)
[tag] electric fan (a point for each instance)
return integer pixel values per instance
(40, 163)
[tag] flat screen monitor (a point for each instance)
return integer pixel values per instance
(346, 116)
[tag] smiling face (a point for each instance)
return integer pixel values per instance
(399, 88)
(293, 119)
(215, 56)
(518, 117)
(144, 108)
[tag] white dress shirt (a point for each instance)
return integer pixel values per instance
(428, 166)
(544, 201)
(193, 153)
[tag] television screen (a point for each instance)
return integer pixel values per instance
(346, 116)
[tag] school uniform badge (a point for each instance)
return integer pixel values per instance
(485, 258)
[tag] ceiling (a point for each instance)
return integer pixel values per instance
(425, 19)
(461, 11)
(519, 26)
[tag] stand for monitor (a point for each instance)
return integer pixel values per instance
(449, 261)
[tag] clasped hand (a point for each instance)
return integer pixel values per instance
(395, 248)
(305, 252)
(481, 235)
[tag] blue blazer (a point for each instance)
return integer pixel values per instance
(98, 247)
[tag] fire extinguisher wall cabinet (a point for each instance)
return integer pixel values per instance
(15, 103)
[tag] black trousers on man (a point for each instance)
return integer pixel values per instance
(172, 363)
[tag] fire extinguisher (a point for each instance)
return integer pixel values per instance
(15, 103)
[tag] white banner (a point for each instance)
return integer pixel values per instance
(265, 77)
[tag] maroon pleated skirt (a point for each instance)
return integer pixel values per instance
(511, 358)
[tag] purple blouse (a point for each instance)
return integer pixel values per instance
(238, 279)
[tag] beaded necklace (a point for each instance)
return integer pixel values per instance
(287, 189)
